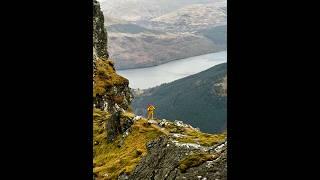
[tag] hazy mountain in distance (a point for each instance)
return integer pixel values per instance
(134, 46)
(190, 18)
(109, 20)
(137, 10)
(145, 33)
(144, 48)
(130, 29)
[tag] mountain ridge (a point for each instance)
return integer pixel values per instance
(125, 145)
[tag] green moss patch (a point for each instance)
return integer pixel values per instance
(194, 160)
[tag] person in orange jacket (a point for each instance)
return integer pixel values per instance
(150, 111)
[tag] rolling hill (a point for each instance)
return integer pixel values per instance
(200, 100)
(144, 49)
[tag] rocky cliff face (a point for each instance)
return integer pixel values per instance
(100, 37)
(111, 92)
(167, 159)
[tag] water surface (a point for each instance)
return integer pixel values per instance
(144, 78)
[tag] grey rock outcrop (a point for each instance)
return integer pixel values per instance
(100, 37)
(164, 158)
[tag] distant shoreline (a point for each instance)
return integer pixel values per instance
(148, 66)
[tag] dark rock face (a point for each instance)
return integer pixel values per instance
(117, 124)
(164, 157)
(112, 126)
(100, 38)
(125, 123)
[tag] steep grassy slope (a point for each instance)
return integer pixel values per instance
(123, 154)
(199, 100)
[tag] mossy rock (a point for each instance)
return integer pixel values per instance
(106, 77)
(194, 160)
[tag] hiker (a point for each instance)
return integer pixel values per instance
(150, 110)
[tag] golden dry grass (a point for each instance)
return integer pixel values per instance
(201, 138)
(110, 160)
(106, 77)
